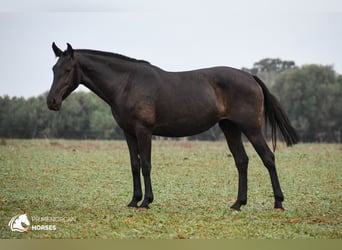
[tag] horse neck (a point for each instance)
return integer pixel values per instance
(105, 76)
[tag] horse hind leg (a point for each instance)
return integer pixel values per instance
(233, 137)
(266, 155)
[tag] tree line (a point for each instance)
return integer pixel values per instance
(310, 94)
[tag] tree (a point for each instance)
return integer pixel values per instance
(14, 118)
(83, 115)
(269, 68)
(311, 95)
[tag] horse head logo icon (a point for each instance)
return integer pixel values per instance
(19, 223)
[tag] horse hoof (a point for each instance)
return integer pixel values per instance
(234, 210)
(279, 209)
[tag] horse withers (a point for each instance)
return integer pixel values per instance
(146, 100)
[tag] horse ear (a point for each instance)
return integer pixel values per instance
(56, 50)
(70, 50)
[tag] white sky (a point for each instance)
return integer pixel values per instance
(174, 35)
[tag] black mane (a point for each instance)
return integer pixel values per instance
(110, 54)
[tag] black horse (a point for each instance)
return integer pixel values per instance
(146, 100)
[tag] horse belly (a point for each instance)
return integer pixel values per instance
(186, 123)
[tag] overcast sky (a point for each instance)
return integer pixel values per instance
(174, 35)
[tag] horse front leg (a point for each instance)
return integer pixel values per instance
(135, 165)
(144, 137)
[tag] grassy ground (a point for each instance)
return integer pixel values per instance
(82, 187)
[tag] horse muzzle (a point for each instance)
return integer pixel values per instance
(54, 104)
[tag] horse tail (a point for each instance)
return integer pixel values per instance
(277, 117)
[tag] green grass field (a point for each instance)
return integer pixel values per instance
(83, 187)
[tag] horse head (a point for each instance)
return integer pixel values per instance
(66, 77)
